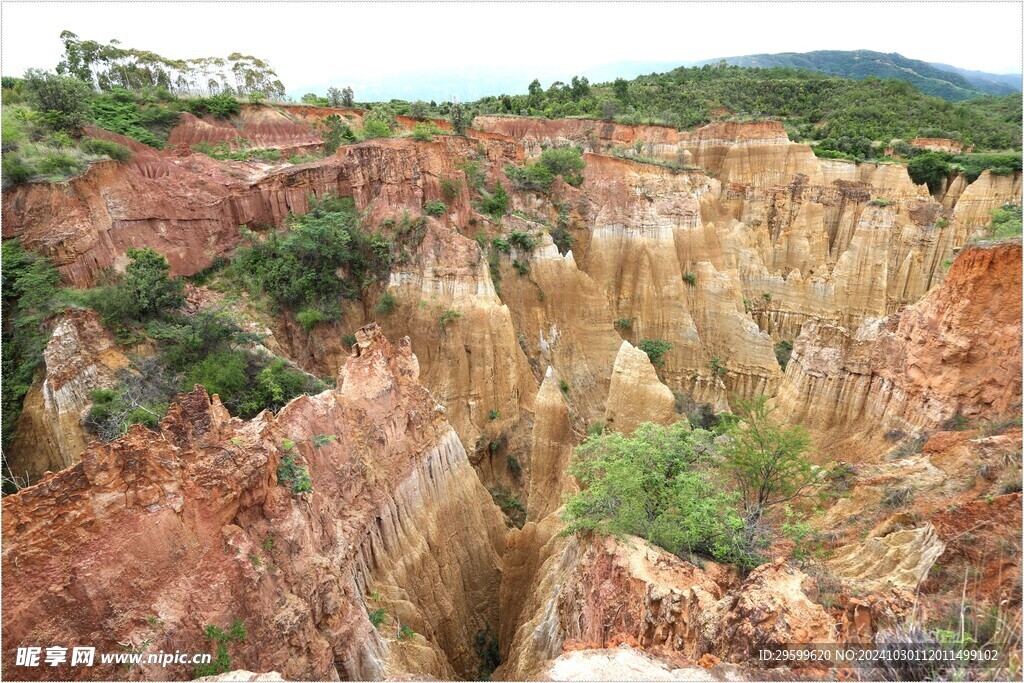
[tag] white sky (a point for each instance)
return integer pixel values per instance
(312, 45)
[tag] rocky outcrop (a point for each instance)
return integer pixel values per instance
(956, 352)
(599, 593)
(551, 451)
(396, 520)
(189, 207)
(900, 559)
(80, 358)
(636, 394)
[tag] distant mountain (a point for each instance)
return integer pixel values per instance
(938, 80)
(996, 84)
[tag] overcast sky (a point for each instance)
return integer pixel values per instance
(377, 44)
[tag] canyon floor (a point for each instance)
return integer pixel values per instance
(489, 366)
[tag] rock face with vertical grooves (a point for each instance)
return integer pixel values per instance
(397, 520)
(955, 352)
(80, 358)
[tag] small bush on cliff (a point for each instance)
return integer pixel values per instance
(337, 132)
(310, 318)
(125, 113)
(1006, 223)
(145, 291)
(783, 351)
(220, 639)
(377, 617)
(435, 208)
(655, 350)
(657, 483)
(488, 651)
(514, 510)
(539, 176)
(495, 204)
(106, 148)
(291, 473)
(299, 267)
(220, 106)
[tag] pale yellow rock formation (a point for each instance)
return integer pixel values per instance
(551, 452)
(898, 559)
(80, 357)
(636, 394)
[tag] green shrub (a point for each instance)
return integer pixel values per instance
(144, 292)
(435, 208)
(62, 101)
(149, 123)
(223, 373)
(447, 317)
(220, 639)
(493, 414)
(488, 652)
(373, 129)
(337, 133)
(220, 106)
(783, 351)
(523, 241)
(930, 168)
(510, 505)
(31, 294)
(767, 463)
(406, 633)
(386, 304)
(1006, 222)
(501, 244)
(310, 318)
(115, 151)
(624, 324)
(15, 170)
(292, 474)
(449, 188)
(522, 268)
(878, 201)
(562, 239)
(495, 204)
(658, 483)
(690, 279)
(349, 340)
(425, 132)
(299, 267)
(566, 162)
(717, 368)
(563, 386)
(377, 617)
(655, 350)
(513, 466)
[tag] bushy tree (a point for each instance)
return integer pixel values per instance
(657, 483)
(766, 461)
(347, 96)
(419, 110)
(930, 168)
(655, 350)
(63, 101)
(334, 97)
(458, 117)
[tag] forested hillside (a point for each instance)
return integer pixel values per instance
(931, 79)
